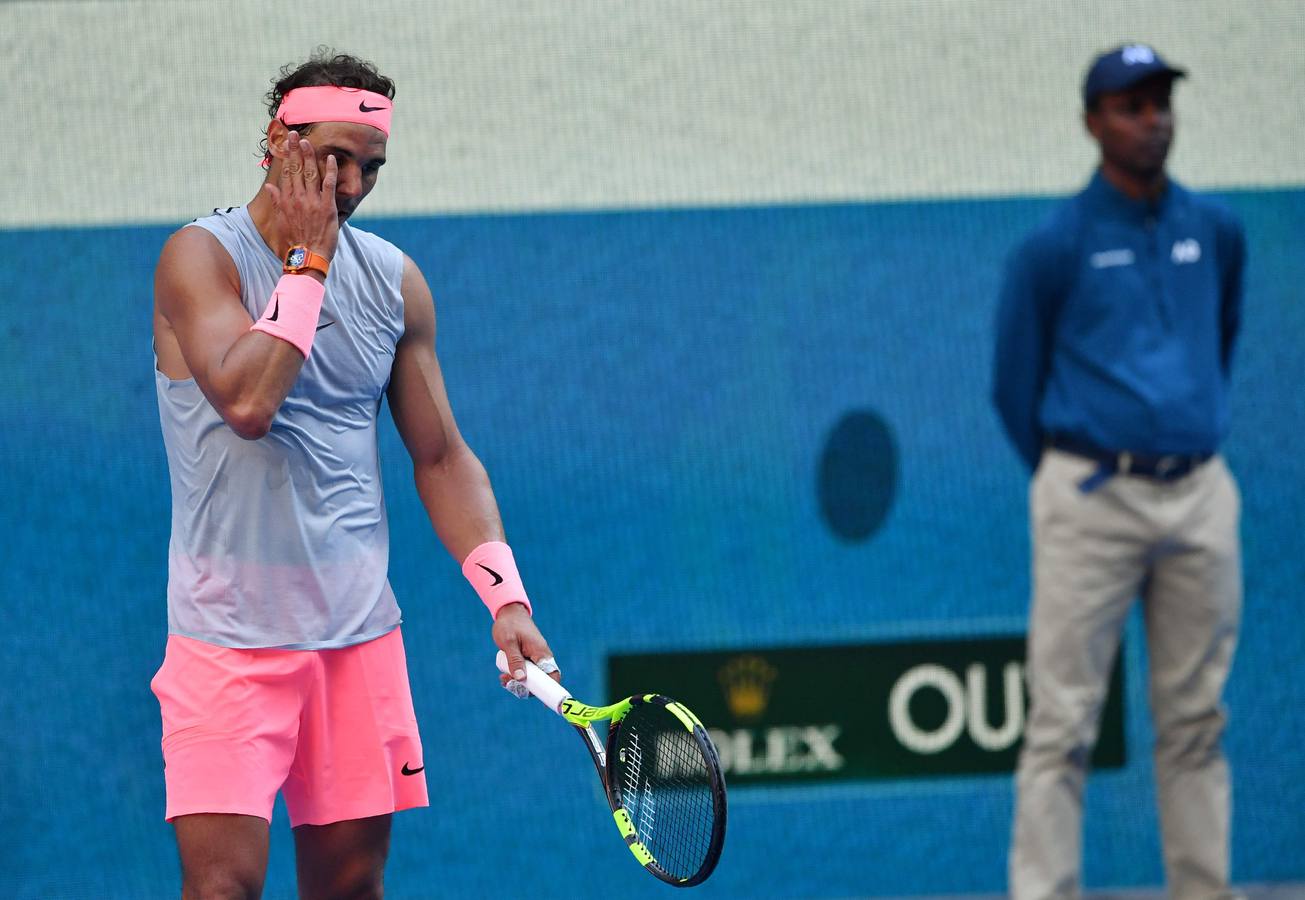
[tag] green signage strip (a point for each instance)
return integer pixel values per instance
(859, 711)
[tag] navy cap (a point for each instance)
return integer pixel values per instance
(1123, 67)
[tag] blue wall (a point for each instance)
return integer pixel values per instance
(652, 393)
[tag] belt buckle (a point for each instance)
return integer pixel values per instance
(1166, 466)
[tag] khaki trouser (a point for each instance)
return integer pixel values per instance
(1176, 545)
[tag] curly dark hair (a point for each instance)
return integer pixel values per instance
(325, 66)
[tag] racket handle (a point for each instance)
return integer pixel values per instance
(545, 689)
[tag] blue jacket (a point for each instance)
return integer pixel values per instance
(1116, 324)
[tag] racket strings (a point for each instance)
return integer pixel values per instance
(666, 788)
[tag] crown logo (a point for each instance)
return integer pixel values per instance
(746, 681)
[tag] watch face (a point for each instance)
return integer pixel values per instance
(296, 257)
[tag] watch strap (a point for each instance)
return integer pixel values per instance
(310, 260)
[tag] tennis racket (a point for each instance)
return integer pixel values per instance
(660, 773)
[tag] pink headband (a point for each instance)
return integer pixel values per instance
(328, 103)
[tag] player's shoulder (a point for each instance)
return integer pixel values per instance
(201, 237)
(213, 233)
(221, 221)
(367, 242)
(193, 258)
(372, 252)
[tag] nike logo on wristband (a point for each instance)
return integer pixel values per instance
(406, 771)
(363, 107)
(276, 308)
(498, 579)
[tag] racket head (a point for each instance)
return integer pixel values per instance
(664, 777)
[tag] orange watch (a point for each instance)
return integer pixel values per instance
(299, 259)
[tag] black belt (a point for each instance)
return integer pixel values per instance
(1166, 467)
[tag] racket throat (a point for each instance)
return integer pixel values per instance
(596, 748)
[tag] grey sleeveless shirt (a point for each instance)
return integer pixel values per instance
(283, 541)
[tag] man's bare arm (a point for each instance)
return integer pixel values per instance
(450, 479)
(202, 330)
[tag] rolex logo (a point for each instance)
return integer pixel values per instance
(746, 681)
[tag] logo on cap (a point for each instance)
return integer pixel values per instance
(1137, 54)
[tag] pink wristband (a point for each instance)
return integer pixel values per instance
(291, 314)
(493, 573)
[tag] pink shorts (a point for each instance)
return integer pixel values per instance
(334, 730)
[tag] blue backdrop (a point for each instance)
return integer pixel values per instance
(652, 393)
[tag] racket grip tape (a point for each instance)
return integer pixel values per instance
(546, 690)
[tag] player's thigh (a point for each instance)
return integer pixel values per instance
(230, 723)
(343, 859)
(359, 752)
(222, 854)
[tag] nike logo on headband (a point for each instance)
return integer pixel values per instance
(498, 579)
(363, 107)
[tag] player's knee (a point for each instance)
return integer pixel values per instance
(361, 880)
(219, 884)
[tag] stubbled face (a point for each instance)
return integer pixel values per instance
(359, 152)
(1135, 127)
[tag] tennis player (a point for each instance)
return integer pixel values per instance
(278, 327)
